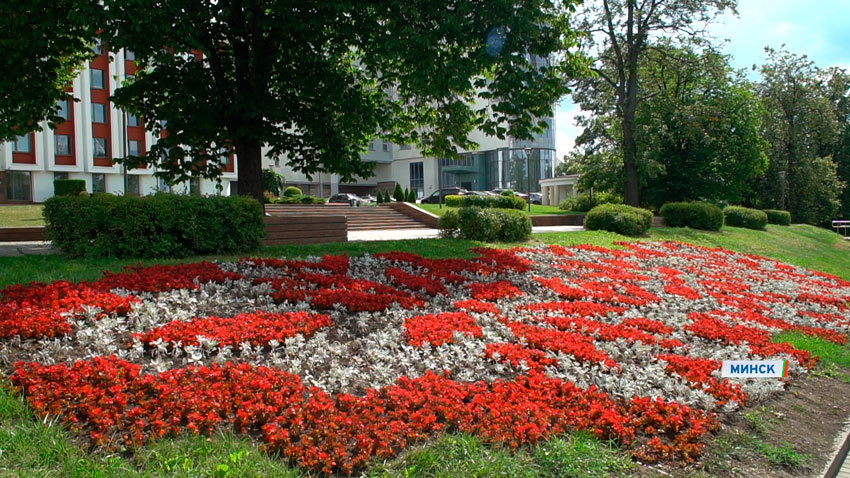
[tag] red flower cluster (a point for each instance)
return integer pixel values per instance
(578, 345)
(258, 328)
(698, 374)
(160, 278)
(430, 284)
(438, 329)
(476, 306)
(493, 290)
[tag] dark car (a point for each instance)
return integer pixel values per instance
(345, 198)
(535, 198)
(434, 198)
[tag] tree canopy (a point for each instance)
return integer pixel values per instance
(314, 81)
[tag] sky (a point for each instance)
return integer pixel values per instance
(819, 29)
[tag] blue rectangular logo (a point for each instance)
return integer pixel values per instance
(754, 369)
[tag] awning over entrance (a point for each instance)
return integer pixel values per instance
(555, 190)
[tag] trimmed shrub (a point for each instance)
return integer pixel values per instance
(507, 192)
(68, 187)
(387, 197)
(778, 216)
(298, 200)
(487, 225)
(411, 197)
(453, 200)
(447, 224)
(737, 216)
(163, 225)
(398, 194)
(497, 202)
(585, 202)
(619, 218)
(379, 198)
(696, 215)
(292, 191)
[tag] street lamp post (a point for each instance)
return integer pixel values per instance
(528, 176)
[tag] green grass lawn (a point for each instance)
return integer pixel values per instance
(19, 216)
(536, 209)
(30, 447)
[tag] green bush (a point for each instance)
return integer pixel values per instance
(777, 216)
(487, 225)
(411, 197)
(379, 198)
(272, 181)
(619, 218)
(298, 200)
(398, 194)
(507, 192)
(585, 202)
(162, 225)
(738, 216)
(68, 187)
(387, 197)
(696, 215)
(453, 200)
(498, 202)
(292, 191)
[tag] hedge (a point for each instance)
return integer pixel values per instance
(619, 218)
(778, 216)
(292, 191)
(497, 202)
(453, 200)
(738, 216)
(68, 187)
(585, 202)
(488, 225)
(696, 215)
(162, 225)
(298, 200)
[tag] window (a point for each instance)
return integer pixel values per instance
(403, 147)
(22, 144)
(386, 147)
(98, 183)
(63, 145)
(372, 145)
(134, 148)
(132, 120)
(234, 188)
(99, 147)
(129, 55)
(98, 113)
(60, 176)
(63, 109)
(97, 78)
(164, 186)
(18, 186)
(98, 47)
(133, 185)
(417, 178)
(195, 186)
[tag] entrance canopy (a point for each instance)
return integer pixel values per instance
(556, 190)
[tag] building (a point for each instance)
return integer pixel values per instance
(95, 132)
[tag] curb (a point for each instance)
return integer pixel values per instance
(838, 460)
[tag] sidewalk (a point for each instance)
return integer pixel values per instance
(38, 248)
(401, 234)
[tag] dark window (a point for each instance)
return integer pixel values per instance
(372, 145)
(98, 183)
(417, 178)
(132, 120)
(63, 145)
(58, 176)
(134, 148)
(18, 186)
(195, 186)
(386, 147)
(98, 113)
(403, 147)
(63, 109)
(97, 78)
(133, 185)
(99, 147)
(234, 188)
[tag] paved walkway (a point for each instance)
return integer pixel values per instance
(39, 248)
(400, 234)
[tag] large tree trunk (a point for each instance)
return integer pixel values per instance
(631, 190)
(249, 163)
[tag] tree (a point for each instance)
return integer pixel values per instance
(315, 81)
(398, 194)
(619, 34)
(802, 125)
(43, 46)
(697, 130)
(272, 181)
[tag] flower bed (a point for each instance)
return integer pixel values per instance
(336, 361)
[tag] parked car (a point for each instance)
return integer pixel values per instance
(434, 197)
(345, 198)
(368, 198)
(536, 198)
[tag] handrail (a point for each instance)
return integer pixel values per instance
(841, 227)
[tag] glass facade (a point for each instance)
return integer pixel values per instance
(417, 178)
(18, 186)
(501, 168)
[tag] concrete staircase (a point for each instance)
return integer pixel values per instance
(364, 218)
